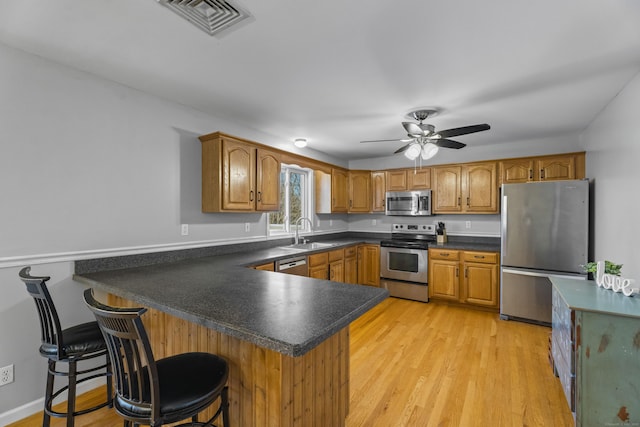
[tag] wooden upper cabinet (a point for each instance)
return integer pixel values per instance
(238, 181)
(409, 179)
(556, 168)
(419, 179)
(267, 181)
(397, 180)
(517, 171)
(469, 188)
(480, 188)
(339, 190)
(543, 168)
(359, 191)
(233, 180)
(378, 189)
(447, 194)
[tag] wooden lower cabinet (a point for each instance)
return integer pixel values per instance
(319, 265)
(266, 388)
(480, 278)
(466, 277)
(351, 265)
(336, 265)
(444, 274)
(369, 265)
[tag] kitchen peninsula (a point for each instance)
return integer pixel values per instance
(286, 337)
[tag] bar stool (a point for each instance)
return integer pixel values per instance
(72, 345)
(155, 393)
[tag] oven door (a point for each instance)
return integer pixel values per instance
(404, 264)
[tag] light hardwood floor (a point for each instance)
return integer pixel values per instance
(416, 364)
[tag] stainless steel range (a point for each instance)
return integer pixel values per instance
(404, 261)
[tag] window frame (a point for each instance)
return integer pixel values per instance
(287, 228)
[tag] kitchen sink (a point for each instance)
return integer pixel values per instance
(308, 246)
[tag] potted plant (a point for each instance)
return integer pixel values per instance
(609, 268)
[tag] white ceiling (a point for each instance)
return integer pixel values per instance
(338, 72)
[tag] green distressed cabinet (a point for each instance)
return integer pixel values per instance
(596, 352)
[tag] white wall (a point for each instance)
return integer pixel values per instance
(613, 144)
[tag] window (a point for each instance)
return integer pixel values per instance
(295, 188)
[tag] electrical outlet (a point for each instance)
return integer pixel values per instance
(468, 224)
(6, 375)
(373, 222)
(184, 229)
(247, 227)
(330, 222)
(318, 224)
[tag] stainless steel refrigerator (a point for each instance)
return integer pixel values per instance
(544, 232)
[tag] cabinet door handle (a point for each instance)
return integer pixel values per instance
(479, 256)
(259, 196)
(541, 173)
(530, 174)
(444, 254)
(459, 200)
(468, 201)
(465, 272)
(384, 202)
(251, 196)
(457, 272)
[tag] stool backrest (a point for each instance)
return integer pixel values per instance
(134, 367)
(50, 330)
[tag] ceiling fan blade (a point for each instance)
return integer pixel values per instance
(463, 130)
(413, 129)
(448, 143)
(385, 140)
(403, 149)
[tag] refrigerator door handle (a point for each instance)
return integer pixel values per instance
(539, 274)
(503, 231)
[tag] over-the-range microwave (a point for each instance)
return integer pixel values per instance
(408, 203)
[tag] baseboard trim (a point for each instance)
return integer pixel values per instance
(33, 407)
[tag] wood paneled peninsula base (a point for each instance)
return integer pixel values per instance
(266, 388)
(286, 337)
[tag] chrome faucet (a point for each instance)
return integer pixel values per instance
(296, 238)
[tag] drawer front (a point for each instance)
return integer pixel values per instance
(318, 259)
(447, 254)
(483, 257)
(336, 255)
(350, 252)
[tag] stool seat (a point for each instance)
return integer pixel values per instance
(76, 341)
(186, 381)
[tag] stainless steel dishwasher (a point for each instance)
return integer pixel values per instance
(294, 265)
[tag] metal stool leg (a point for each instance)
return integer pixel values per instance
(224, 401)
(46, 418)
(71, 393)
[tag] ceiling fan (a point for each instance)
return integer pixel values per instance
(423, 139)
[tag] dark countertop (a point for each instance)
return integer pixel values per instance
(213, 288)
(281, 312)
(467, 246)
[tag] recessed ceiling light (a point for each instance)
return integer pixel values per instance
(300, 142)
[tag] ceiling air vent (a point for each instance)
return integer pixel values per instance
(211, 16)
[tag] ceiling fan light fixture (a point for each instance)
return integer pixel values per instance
(300, 142)
(413, 151)
(429, 150)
